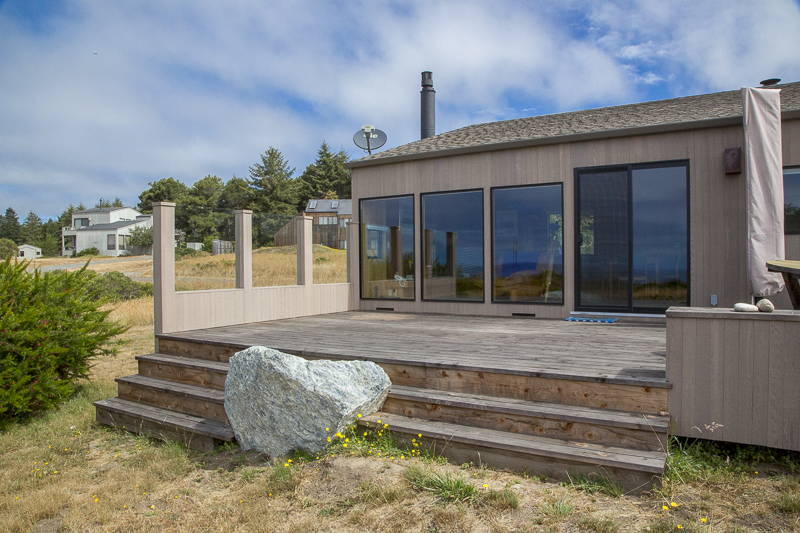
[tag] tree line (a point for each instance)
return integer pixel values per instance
(203, 211)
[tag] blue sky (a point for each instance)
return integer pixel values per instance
(100, 98)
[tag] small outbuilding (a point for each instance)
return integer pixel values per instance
(28, 251)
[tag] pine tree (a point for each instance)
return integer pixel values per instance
(32, 231)
(274, 188)
(163, 190)
(10, 227)
(198, 212)
(326, 177)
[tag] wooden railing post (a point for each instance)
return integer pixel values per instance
(244, 248)
(163, 267)
(305, 251)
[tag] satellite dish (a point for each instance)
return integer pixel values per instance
(369, 138)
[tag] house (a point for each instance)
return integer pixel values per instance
(624, 210)
(106, 228)
(329, 224)
(28, 251)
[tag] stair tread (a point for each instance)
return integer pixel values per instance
(173, 419)
(610, 456)
(572, 413)
(189, 362)
(174, 387)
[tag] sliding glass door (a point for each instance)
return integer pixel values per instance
(632, 238)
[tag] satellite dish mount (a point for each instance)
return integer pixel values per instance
(369, 138)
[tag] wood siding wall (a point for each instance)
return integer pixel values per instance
(327, 235)
(740, 370)
(717, 205)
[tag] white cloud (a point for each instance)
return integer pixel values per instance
(187, 88)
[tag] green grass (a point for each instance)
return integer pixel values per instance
(558, 508)
(501, 499)
(445, 488)
(594, 484)
(378, 494)
(787, 503)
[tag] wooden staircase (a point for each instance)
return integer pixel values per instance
(552, 426)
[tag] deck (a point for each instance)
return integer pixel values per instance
(623, 353)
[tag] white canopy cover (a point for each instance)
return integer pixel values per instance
(764, 178)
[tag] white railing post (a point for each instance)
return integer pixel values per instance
(244, 248)
(305, 251)
(163, 267)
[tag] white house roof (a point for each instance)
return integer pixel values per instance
(100, 210)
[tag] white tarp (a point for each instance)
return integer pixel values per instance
(764, 178)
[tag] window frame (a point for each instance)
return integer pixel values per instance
(111, 245)
(629, 167)
(361, 248)
(783, 179)
(422, 245)
(563, 243)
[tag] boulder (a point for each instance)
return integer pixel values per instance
(278, 403)
(765, 306)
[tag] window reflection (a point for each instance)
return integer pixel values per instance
(387, 248)
(527, 240)
(452, 246)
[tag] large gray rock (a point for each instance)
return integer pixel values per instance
(278, 403)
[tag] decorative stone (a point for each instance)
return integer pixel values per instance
(278, 403)
(745, 308)
(765, 306)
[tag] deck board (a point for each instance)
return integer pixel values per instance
(627, 352)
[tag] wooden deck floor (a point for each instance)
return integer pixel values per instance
(614, 353)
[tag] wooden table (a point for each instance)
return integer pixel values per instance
(791, 276)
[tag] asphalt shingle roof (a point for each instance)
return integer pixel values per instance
(344, 207)
(726, 104)
(108, 225)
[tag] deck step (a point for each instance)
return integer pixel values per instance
(197, 432)
(634, 470)
(186, 370)
(181, 397)
(567, 422)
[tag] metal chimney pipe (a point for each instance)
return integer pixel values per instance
(427, 107)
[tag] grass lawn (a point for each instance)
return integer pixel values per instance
(63, 472)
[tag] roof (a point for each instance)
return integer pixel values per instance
(21, 246)
(624, 119)
(100, 210)
(110, 225)
(343, 207)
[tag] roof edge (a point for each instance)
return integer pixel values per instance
(571, 138)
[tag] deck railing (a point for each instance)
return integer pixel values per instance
(187, 310)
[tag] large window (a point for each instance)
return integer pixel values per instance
(791, 201)
(111, 242)
(632, 237)
(452, 246)
(527, 237)
(387, 248)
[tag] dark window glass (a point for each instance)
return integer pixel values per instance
(791, 201)
(452, 246)
(633, 238)
(660, 264)
(111, 242)
(387, 248)
(527, 239)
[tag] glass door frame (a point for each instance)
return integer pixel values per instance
(629, 168)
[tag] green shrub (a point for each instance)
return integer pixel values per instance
(116, 286)
(8, 249)
(50, 329)
(88, 251)
(180, 253)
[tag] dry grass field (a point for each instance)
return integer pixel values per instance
(64, 473)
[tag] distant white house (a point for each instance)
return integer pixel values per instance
(29, 251)
(106, 228)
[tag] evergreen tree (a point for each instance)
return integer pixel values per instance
(105, 203)
(163, 190)
(32, 231)
(65, 219)
(10, 227)
(325, 177)
(274, 188)
(236, 194)
(198, 212)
